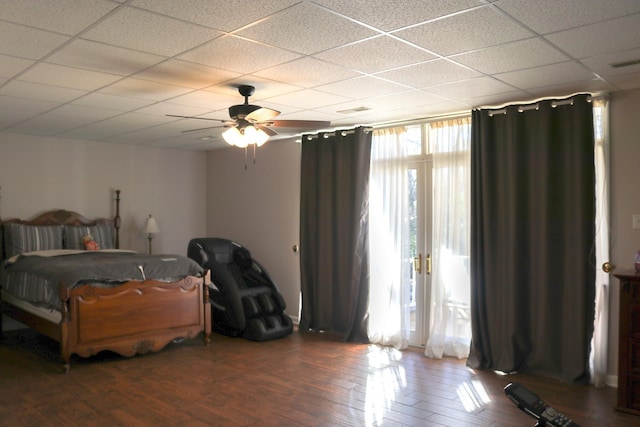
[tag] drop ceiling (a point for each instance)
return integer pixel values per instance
(111, 71)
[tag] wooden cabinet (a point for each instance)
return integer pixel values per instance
(629, 342)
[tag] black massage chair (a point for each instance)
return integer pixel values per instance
(245, 302)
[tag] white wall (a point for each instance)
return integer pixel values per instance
(260, 208)
(625, 199)
(38, 174)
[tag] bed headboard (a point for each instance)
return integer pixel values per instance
(72, 222)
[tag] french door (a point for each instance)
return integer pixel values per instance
(420, 208)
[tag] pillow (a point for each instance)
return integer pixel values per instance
(102, 234)
(20, 238)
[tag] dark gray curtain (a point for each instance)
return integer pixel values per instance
(532, 239)
(334, 217)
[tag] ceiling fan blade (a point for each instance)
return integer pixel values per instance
(195, 117)
(262, 114)
(266, 130)
(308, 124)
(208, 127)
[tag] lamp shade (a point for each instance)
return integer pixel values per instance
(151, 227)
(245, 136)
(233, 137)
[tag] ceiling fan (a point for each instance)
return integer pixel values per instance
(251, 124)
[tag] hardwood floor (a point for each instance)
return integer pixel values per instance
(301, 380)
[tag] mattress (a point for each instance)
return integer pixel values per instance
(36, 276)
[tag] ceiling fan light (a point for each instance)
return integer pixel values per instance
(232, 136)
(255, 136)
(261, 137)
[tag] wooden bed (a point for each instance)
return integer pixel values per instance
(133, 318)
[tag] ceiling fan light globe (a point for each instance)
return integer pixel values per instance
(232, 136)
(261, 137)
(255, 136)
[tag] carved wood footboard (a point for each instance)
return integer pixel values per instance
(134, 318)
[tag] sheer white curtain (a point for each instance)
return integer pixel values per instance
(599, 347)
(389, 268)
(450, 324)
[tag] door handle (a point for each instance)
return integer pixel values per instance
(417, 263)
(428, 259)
(608, 267)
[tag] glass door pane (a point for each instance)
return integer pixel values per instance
(419, 182)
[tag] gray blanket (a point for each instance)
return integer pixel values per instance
(36, 279)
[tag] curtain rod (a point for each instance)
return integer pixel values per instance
(411, 122)
(340, 132)
(536, 106)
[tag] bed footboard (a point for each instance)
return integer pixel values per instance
(134, 318)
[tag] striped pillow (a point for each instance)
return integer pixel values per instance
(102, 234)
(20, 238)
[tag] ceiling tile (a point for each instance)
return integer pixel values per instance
(62, 16)
(307, 72)
(403, 60)
(264, 88)
(602, 64)
(316, 114)
(498, 100)
(591, 86)
(597, 39)
(164, 108)
(50, 124)
(11, 116)
(40, 91)
(144, 89)
(223, 16)
(112, 102)
(187, 74)
(306, 28)
(352, 110)
(471, 88)
(206, 100)
(554, 74)
(154, 134)
(411, 98)
(84, 113)
(95, 56)
(24, 42)
(148, 32)
(389, 15)
(512, 56)
(375, 55)
(114, 126)
(547, 16)
(57, 75)
(308, 99)
(482, 27)
(10, 65)
(356, 87)
(35, 106)
(239, 55)
(430, 73)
